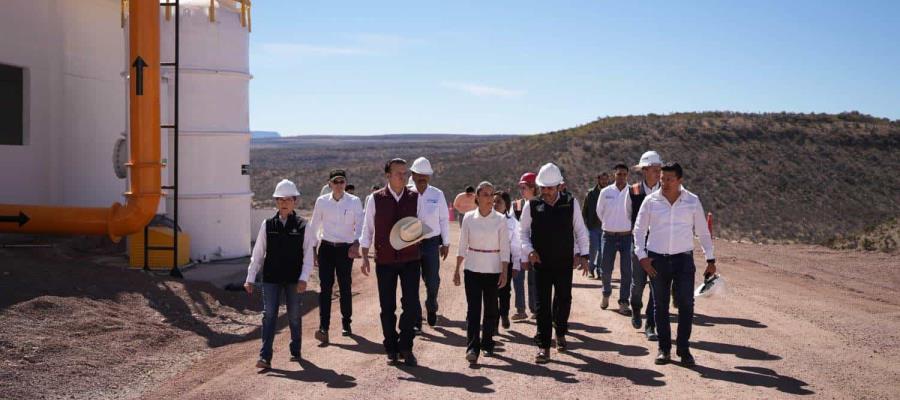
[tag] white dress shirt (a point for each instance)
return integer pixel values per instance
(368, 229)
(582, 241)
(435, 213)
(672, 226)
(487, 233)
(515, 245)
(337, 221)
(258, 256)
(614, 208)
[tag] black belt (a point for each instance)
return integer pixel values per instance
(608, 233)
(661, 255)
(332, 244)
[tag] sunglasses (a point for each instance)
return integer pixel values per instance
(339, 181)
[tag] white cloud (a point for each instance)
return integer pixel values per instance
(483, 90)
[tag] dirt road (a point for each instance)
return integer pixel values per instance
(799, 320)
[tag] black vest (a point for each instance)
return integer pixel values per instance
(552, 230)
(284, 249)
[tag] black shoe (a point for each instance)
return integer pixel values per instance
(295, 357)
(417, 330)
(432, 319)
(687, 359)
(409, 359)
(393, 358)
(472, 356)
(488, 352)
(650, 331)
(346, 332)
(322, 336)
(543, 356)
(663, 358)
(561, 344)
(504, 320)
(636, 321)
(263, 364)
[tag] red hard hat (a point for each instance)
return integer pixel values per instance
(528, 178)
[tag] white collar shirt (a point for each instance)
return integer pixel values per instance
(337, 221)
(434, 213)
(672, 226)
(484, 241)
(614, 209)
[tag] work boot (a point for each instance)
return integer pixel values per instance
(472, 356)
(624, 310)
(636, 321)
(263, 364)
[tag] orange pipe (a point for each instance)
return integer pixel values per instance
(143, 197)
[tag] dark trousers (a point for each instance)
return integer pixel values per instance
(333, 260)
(639, 279)
(553, 307)
(431, 274)
(481, 289)
(505, 293)
(388, 275)
(678, 271)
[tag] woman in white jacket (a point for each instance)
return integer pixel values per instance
(502, 203)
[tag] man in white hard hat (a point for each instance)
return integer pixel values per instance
(396, 259)
(672, 216)
(284, 252)
(649, 165)
(336, 225)
(436, 246)
(555, 239)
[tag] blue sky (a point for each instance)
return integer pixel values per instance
(521, 67)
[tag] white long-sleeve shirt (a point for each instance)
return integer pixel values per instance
(614, 208)
(434, 212)
(582, 241)
(484, 242)
(258, 256)
(337, 221)
(515, 245)
(368, 229)
(671, 226)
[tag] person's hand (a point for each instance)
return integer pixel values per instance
(301, 287)
(502, 281)
(581, 264)
(710, 269)
(445, 251)
(456, 280)
(353, 251)
(365, 266)
(534, 258)
(526, 266)
(647, 265)
(248, 287)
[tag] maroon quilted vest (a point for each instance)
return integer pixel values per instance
(387, 212)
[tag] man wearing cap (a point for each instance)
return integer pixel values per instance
(672, 216)
(613, 209)
(436, 245)
(284, 252)
(336, 225)
(390, 224)
(649, 165)
(553, 235)
(594, 226)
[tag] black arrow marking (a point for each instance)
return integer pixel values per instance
(139, 65)
(21, 219)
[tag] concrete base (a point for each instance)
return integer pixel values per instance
(219, 273)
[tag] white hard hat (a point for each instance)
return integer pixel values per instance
(407, 232)
(714, 286)
(286, 188)
(549, 175)
(650, 158)
(422, 166)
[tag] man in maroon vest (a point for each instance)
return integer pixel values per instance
(383, 209)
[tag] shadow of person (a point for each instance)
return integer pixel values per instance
(706, 320)
(362, 345)
(433, 377)
(529, 369)
(312, 373)
(449, 338)
(591, 344)
(449, 323)
(744, 352)
(756, 376)
(587, 328)
(638, 376)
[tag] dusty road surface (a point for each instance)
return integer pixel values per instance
(798, 321)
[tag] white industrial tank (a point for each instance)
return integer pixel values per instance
(214, 124)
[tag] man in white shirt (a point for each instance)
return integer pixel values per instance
(649, 165)
(436, 246)
(672, 215)
(555, 239)
(613, 208)
(336, 224)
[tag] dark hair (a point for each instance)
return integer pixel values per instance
(470, 189)
(376, 187)
(620, 166)
(350, 187)
(506, 199)
(674, 167)
(389, 164)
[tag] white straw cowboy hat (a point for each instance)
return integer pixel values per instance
(407, 232)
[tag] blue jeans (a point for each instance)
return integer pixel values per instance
(678, 269)
(518, 284)
(594, 253)
(431, 274)
(639, 279)
(271, 294)
(610, 245)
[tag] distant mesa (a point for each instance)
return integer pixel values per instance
(264, 135)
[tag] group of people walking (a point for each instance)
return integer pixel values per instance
(530, 246)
